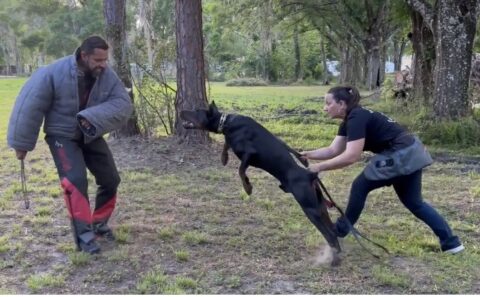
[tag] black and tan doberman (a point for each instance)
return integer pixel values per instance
(256, 146)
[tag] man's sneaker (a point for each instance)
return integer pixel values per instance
(107, 235)
(103, 230)
(455, 250)
(90, 247)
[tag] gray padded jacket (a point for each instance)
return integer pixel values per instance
(51, 94)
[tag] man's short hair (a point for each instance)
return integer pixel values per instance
(91, 43)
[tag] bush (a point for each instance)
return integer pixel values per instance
(461, 133)
(246, 82)
(217, 76)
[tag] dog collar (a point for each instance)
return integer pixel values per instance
(223, 118)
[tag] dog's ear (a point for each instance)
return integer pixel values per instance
(212, 108)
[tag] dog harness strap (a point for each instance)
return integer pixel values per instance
(223, 118)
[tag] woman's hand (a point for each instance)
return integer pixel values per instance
(304, 156)
(317, 167)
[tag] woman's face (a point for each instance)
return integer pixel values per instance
(336, 110)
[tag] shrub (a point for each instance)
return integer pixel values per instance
(246, 82)
(463, 132)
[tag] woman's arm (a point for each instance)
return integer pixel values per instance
(334, 149)
(350, 155)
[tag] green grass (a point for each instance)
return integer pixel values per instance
(386, 276)
(193, 238)
(122, 234)
(156, 282)
(79, 259)
(184, 224)
(182, 255)
(38, 282)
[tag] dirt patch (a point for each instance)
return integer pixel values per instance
(164, 154)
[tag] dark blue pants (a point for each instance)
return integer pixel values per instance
(408, 189)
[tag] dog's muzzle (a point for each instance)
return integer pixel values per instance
(188, 125)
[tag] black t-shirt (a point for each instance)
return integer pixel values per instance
(378, 130)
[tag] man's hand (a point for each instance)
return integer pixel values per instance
(20, 154)
(85, 124)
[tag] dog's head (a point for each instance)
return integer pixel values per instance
(204, 119)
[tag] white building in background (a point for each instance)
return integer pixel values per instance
(406, 62)
(332, 66)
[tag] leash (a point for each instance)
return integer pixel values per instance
(24, 184)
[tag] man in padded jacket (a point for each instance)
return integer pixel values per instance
(79, 98)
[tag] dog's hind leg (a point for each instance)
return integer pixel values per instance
(242, 171)
(224, 156)
(317, 213)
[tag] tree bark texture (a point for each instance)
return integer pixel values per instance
(146, 8)
(453, 24)
(398, 50)
(350, 69)
(373, 44)
(325, 76)
(423, 60)
(296, 48)
(454, 31)
(191, 91)
(115, 21)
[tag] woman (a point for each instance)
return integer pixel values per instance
(399, 162)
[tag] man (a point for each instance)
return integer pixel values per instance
(80, 98)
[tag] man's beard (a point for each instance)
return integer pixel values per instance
(96, 72)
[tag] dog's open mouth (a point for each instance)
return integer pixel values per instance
(188, 124)
(189, 120)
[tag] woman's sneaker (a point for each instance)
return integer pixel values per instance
(455, 250)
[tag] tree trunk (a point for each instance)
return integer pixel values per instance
(267, 41)
(325, 76)
(398, 50)
(115, 22)
(191, 91)
(453, 24)
(383, 60)
(296, 48)
(454, 31)
(18, 59)
(373, 66)
(145, 19)
(348, 71)
(423, 60)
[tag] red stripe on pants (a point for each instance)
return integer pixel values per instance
(77, 204)
(105, 211)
